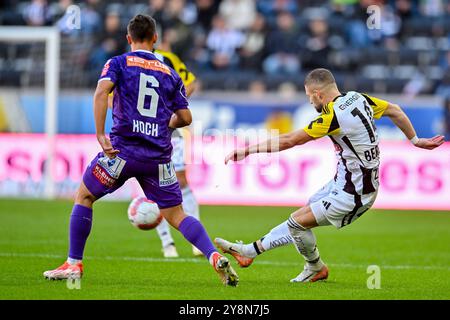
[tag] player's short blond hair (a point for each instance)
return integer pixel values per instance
(320, 77)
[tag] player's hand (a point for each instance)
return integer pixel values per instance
(237, 155)
(107, 147)
(430, 143)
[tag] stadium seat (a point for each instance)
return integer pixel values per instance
(423, 42)
(419, 26)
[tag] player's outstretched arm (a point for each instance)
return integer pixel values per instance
(280, 143)
(102, 91)
(401, 120)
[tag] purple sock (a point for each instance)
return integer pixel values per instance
(195, 233)
(80, 227)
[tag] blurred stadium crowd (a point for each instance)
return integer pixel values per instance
(248, 44)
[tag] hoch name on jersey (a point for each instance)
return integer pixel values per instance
(147, 128)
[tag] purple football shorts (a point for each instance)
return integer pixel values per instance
(157, 180)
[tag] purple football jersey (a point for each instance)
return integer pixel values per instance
(146, 93)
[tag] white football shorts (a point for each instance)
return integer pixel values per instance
(333, 206)
(178, 152)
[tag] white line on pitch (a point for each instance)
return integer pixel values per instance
(197, 260)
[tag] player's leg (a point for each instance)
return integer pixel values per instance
(163, 229)
(296, 229)
(246, 253)
(337, 208)
(168, 244)
(193, 230)
(80, 223)
(79, 229)
(300, 224)
(160, 185)
(190, 227)
(277, 237)
(95, 184)
(190, 204)
(281, 235)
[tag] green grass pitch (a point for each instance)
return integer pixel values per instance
(412, 249)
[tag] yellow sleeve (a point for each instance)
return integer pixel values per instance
(323, 125)
(186, 76)
(172, 60)
(378, 106)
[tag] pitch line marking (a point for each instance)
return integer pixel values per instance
(196, 260)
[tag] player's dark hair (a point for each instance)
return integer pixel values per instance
(141, 28)
(319, 77)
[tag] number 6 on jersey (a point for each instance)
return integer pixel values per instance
(144, 91)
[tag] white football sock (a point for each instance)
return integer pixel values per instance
(73, 261)
(277, 237)
(164, 234)
(190, 204)
(305, 243)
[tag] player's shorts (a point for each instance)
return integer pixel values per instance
(333, 206)
(157, 180)
(178, 151)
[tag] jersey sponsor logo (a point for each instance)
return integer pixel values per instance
(107, 170)
(112, 166)
(102, 176)
(155, 65)
(105, 68)
(167, 174)
(349, 101)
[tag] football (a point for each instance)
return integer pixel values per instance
(144, 213)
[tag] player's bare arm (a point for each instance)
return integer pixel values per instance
(401, 120)
(280, 143)
(100, 109)
(180, 118)
(190, 88)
